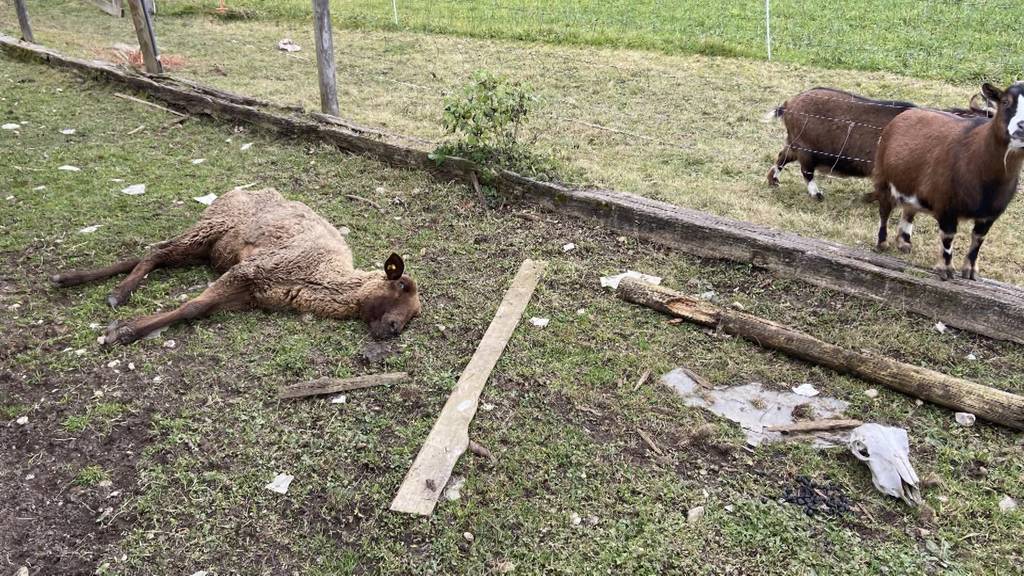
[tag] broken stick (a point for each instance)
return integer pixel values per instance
(325, 385)
(961, 395)
(150, 104)
(814, 426)
(449, 437)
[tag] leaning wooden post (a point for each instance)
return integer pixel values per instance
(26, 28)
(147, 39)
(991, 404)
(325, 57)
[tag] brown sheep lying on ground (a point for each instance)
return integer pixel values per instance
(273, 254)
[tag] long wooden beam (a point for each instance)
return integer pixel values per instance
(986, 307)
(991, 404)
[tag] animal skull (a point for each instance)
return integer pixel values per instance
(886, 451)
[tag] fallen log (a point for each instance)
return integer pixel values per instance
(449, 438)
(961, 395)
(990, 308)
(814, 426)
(325, 385)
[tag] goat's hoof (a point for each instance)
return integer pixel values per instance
(944, 273)
(115, 300)
(818, 196)
(773, 182)
(904, 247)
(968, 274)
(118, 333)
(882, 246)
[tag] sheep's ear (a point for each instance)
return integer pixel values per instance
(394, 267)
(991, 92)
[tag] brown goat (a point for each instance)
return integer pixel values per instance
(952, 168)
(839, 130)
(272, 253)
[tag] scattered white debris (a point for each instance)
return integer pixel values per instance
(23, 571)
(568, 247)
(9, 198)
(89, 229)
(886, 451)
(971, 356)
(286, 45)
(113, 364)
(198, 161)
(200, 573)
(453, 491)
(80, 352)
(613, 281)
(965, 419)
(246, 146)
(468, 536)
(709, 295)
(14, 306)
(69, 168)
(105, 484)
(117, 180)
(575, 519)
(170, 344)
(280, 483)
(206, 200)
(806, 390)
(539, 322)
(694, 515)
(487, 406)
(581, 311)
(106, 514)
(67, 131)
(11, 126)
(339, 399)
(1007, 504)
(940, 327)
(344, 230)
(134, 190)
(39, 188)
(158, 379)
(871, 393)
(131, 365)
(30, 476)
(739, 306)
(729, 507)
(22, 421)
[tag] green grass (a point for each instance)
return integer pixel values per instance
(963, 41)
(90, 476)
(196, 432)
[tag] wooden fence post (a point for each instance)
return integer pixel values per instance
(147, 39)
(325, 57)
(26, 28)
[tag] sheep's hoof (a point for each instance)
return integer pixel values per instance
(118, 333)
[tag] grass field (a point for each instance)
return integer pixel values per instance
(690, 127)
(953, 40)
(151, 459)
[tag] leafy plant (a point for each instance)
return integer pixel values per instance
(90, 476)
(488, 112)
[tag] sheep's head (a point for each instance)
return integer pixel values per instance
(394, 304)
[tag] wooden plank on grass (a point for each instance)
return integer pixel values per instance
(326, 385)
(449, 437)
(987, 307)
(992, 404)
(112, 7)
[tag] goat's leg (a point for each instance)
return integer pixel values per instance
(906, 229)
(192, 247)
(229, 292)
(885, 205)
(75, 277)
(947, 231)
(970, 267)
(785, 157)
(807, 166)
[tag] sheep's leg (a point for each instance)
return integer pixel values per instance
(230, 292)
(76, 277)
(970, 267)
(947, 231)
(192, 247)
(906, 229)
(807, 166)
(885, 205)
(785, 157)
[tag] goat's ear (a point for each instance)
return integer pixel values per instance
(394, 267)
(991, 92)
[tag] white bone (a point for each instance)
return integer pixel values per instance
(886, 451)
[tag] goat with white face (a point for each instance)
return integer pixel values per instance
(272, 253)
(952, 168)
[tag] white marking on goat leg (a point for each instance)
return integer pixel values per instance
(812, 189)
(907, 200)
(1017, 123)
(906, 228)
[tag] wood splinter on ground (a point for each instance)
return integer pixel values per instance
(325, 385)
(961, 395)
(449, 438)
(815, 426)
